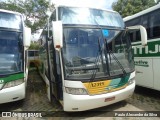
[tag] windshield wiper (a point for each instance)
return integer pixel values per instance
(96, 61)
(82, 68)
(100, 52)
(115, 58)
(120, 65)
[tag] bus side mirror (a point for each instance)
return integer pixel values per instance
(27, 36)
(143, 33)
(57, 34)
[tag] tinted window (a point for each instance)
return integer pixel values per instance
(134, 35)
(155, 24)
(145, 23)
(136, 21)
(53, 16)
(43, 36)
(10, 52)
(9, 20)
(151, 21)
(33, 53)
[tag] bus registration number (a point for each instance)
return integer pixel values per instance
(98, 87)
(97, 84)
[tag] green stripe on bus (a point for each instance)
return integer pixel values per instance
(122, 81)
(151, 50)
(12, 78)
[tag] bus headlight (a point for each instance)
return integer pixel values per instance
(76, 91)
(13, 83)
(131, 81)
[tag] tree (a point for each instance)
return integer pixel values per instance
(34, 46)
(130, 7)
(32, 9)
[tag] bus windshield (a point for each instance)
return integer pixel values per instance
(11, 21)
(100, 52)
(89, 16)
(10, 52)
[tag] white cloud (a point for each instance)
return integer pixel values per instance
(86, 3)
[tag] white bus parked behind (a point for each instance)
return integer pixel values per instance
(147, 59)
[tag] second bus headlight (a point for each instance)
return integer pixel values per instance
(13, 83)
(76, 91)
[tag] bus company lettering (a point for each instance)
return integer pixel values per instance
(146, 49)
(141, 63)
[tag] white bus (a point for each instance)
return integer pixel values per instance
(14, 41)
(86, 60)
(147, 59)
(33, 57)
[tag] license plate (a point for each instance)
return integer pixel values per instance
(109, 99)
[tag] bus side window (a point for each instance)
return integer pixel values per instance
(145, 23)
(135, 34)
(132, 36)
(155, 24)
(43, 36)
(53, 16)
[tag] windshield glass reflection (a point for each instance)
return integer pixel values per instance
(10, 52)
(9, 20)
(88, 16)
(98, 52)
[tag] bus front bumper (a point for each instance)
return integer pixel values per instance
(85, 102)
(12, 94)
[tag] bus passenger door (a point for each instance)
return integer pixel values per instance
(56, 81)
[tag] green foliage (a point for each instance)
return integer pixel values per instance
(32, 9)
(130, 7)
(34, 46)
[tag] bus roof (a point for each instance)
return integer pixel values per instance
(142, 12)
(8, 11)
(80, 6)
